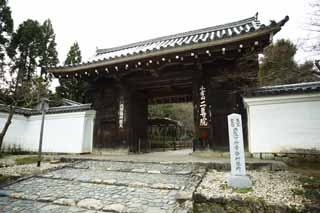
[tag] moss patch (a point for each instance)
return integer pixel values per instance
(4, 179)
(310, 179)
(3, 155)
(311, 186)
(242, 191)
(27, 160)
(224, 187)
(305, 168)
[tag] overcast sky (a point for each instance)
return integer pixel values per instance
(109, 23)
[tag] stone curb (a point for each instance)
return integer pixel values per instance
(111, 183)
(139, 171)
(22, 178)
(220, 166)
(68, 202)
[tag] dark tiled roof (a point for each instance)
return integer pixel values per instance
(299, 88)
(186, 39)
(191, 37)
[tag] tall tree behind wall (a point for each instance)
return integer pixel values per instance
(6, 87)
(6, 30)
(278, 65)
(48, 52)
(73, 89)
(25, 50)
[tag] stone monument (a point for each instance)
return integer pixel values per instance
(238, 177)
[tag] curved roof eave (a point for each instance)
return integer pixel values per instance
(273, 28)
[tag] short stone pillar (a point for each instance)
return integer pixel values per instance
(238, 177)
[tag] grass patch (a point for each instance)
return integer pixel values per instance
(3, 155)
(259, 200)
(4, 179)
(305, 168)
(297, 191)
(27, 160)
(242, 191)
(224, 186)
(311, 186)
(310, 179)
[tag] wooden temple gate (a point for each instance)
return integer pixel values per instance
(208, 67)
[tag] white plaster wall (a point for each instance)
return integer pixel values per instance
(64, 132)
(14, 135)
(284, 124)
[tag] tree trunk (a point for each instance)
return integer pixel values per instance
(317, 63)
(7, 124)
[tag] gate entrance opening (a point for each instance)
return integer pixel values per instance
(208, 67)
(170, 126)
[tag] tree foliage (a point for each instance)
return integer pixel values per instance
(182, 112)
(6, 30)
(32, 45)
(73, 89)
(25, 48)
(74, 55)
(48, 53)
(278, 65)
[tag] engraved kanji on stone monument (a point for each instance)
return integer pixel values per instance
(238, 176)
(237, 159)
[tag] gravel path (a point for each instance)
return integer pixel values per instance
(28, 169)
(275, 188)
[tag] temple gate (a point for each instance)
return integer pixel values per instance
(209, 67)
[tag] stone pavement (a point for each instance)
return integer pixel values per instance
(153, 182)
(106, 186)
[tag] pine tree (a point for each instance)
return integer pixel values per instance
(74, 55)
(6, 30)
(31, 46)
(73, 89)
(279, 67)
(48, 52)
(26, 44)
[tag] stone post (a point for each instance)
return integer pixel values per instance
(238, 177)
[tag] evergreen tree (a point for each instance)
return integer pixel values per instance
(74, 55)
(6, 30)
(31, 46)
(279, 67)
(73, 89)
(48, 52)
(26, 46)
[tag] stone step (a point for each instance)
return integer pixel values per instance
(151, 180)
(153, 168)
(92, 196)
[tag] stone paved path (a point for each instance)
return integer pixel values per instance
(105, 186)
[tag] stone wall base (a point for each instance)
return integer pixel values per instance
(222, 205)
(288, 156)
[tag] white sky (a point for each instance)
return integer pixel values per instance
(109, 23)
